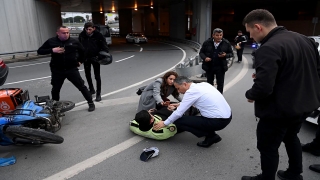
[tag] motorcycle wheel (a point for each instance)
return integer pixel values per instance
(36, 135)
(66, 105)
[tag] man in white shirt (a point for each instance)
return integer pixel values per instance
(214, 109)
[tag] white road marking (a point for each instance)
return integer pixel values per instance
(32, 79)
(28, 65)
(125, 58)
(76, 169)
(242, 73)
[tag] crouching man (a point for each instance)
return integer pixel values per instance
(214, 109)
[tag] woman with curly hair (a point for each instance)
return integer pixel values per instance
(155, 95)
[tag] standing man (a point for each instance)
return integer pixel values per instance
(215, 52)
(67, 54)
(240, 40)
(286, 89)
(93, 42)
(214, 109)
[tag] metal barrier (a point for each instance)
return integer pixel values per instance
(14, 54)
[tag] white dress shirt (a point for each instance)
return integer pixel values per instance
(204, 97)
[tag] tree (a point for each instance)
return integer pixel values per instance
(78, 19)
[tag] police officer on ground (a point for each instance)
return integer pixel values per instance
(93, 42)
(67, 54)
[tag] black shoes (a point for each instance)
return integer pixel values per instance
(208, 141)
(92, 91)
(258, 177)
(98, 97)
(315, 168)
(92, 107)
(310, 149)
(285, 175)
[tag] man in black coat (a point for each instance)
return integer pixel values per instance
(286, 89)
(240, 40)
(93, 42)
(67, 54)
(215, 52)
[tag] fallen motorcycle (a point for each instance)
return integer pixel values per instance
(30, 122)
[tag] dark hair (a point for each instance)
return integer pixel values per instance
(88, 24)
(260, 16)
(182, 79)
(217, 30)
(164, 85)
(143, 118)
(58, 28)
(239, 31)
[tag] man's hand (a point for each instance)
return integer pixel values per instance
(172, 107)
(157, 126)
(207, 59)
(250, 101)
(58, 50)
(253, 75)
(79, 64)
(223, 54)
(166, 103)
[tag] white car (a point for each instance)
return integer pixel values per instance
(136, 38)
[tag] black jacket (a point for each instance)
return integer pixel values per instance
(287, 82)
(74, 53)
(207, 50)
(93, 44)
(243, 39)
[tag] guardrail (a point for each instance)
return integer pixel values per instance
(14, 54)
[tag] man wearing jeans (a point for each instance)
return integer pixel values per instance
(214, 109)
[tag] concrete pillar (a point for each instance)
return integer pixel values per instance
(137, 21)
(151, 22)
(164, 20)
(26, 24)
(125, 21)
(202, 19)
(177, 20)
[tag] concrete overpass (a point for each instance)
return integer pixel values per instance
(26, 24)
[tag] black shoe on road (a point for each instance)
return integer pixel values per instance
(208, 141)
(310, 149)
(285, 175)
(92, 107)
(258, 177)
(315, 168)
(98, 97)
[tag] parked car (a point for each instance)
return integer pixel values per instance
(317, 40)
(136, 38)
(4, 70)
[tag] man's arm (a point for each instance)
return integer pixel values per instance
(103, 43)
(45, 48)
(81, 52)
(266, 72)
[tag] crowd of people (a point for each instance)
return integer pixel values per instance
(285, 91)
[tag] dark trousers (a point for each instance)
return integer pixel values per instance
(201, 126)
(239, 53)
(219, 72)
(96, 71)
(270, 134)
(73, 75)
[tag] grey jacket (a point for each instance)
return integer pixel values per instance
(151, 95)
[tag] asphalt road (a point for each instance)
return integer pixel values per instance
(99, 145)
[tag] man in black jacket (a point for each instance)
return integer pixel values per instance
(93, 42)
(215, 52)
(67, 54)
(240, 40)
(286, 89)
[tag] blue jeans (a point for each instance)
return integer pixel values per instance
(201, 126)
